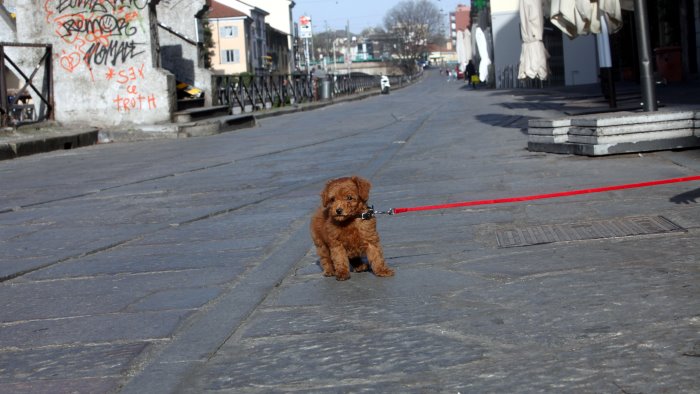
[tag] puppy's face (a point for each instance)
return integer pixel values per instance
(345, 198)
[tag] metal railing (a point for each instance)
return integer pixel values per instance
(18, 107)
(507, 78)
(253, 93)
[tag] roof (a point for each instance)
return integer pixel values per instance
(219, 10)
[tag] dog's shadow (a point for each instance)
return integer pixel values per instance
(687, 197)
(354, 262)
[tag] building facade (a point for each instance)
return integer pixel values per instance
(228, 28)
(181, 49)
(674, 28)
(267, 32)
(460, 20)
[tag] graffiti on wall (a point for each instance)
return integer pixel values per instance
(100, 38)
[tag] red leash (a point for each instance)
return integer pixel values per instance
(544, 196)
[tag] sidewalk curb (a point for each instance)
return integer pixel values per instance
(53, 140)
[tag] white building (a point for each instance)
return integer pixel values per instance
(278, 18)
(578, 57)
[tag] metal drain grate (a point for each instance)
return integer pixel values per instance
(612, 228)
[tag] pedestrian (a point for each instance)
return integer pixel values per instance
(470, 74)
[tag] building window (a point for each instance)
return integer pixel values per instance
(230, 56)
(229, 31)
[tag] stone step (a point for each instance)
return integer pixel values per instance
(23, 144)
(216, 125)
(193, 114)
(630, 137)
(617, 119)
(189, 103)
(632, 128)
(615, 133)
(204, 127)
(616, 148)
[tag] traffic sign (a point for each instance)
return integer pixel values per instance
(305, 27)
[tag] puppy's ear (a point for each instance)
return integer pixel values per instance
(324, 195)
(363, 187)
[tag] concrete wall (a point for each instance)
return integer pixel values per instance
(580, 60)
(506, 41)
(505, 6)
(8, 33)
(106, 61)
(180, 56)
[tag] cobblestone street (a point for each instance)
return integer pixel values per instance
(187, 266)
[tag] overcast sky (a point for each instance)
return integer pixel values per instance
(360, 13)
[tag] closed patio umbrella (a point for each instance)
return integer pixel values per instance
(461, 56)
(485, 60)
(566, 17)
(468, 51)
(582, 17)
(533, 55)
(613, 14)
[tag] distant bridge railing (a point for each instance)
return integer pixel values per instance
(253, 93)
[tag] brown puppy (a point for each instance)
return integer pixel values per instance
(342, 237)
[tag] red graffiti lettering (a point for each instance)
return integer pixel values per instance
(70, 61)
(137, 102)
(127, 74)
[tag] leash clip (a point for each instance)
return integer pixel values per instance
(371, 213)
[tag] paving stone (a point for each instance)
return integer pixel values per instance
(107, 328)
(22, 368)
(411, 281)
(209, 280)
(327, 359)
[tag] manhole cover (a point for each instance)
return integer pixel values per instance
(612, 228)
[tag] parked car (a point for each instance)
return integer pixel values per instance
(460, 72)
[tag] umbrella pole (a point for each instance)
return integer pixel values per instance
(605, 62)
(644, 47)
(612, 96)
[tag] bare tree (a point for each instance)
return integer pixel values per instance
(412, 24)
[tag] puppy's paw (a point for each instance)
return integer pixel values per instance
(384, 272)
(328, 273)
(342, 275)
(361, 267)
